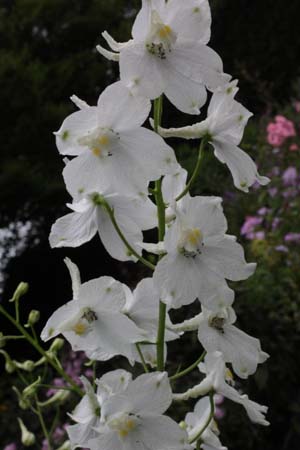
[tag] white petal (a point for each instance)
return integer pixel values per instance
(197, 62)
(222, 297)
(59, 318)
(186, 95)
(142, 22)
(104, 293)
(113, 44)
(226, 258)
(75, 276)
(75, 126)
(162, 432)
(150, 393)
(81, 104)
(139, 208)
(112, 383)
(149, 155)
(241, 166)
(141, 71)
(106, 441)
(110, 238)
(73, 229)
(120, 109)
(173, 185)
(190, 20)
(111, 56)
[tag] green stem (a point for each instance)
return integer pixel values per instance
(210, 417)
(111, 214)
(196, 170)
(37, 346)
(161, 213)
(144, 364)
(42, 422)
(188, 369)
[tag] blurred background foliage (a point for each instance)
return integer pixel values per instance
(47, 53)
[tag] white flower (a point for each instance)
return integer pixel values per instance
(87, 412)
(112, 150)
(216, 332)
(195, 423)
(199, 254)
(224, 128)
(132, 213)
(93, 322)
(219, 378)
(168, 53)
(134, 419)
(142, 307)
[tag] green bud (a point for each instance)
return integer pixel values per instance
(59, 397)
(30, 390)
(28, 365)
(23, 402)
(10, 365)
(183, 425)
(33, 318)
(57, 345)
(65, 446)
(2, 340)
(27, 438)
(21, 290)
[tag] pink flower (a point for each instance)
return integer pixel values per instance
(292, 237)
(280, 130)
(249, 225)
(294, 147)
(297, 106)
(11, 446)
(289, 176)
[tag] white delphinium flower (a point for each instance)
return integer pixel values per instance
(112, 150)
(223, 129)
(132, 213)
(134, 418)
(197, 246)
(87, 412)
(93, 322)
(218, 379)
(196, 421)
(142, 307)
(168, 53)
(216, 332)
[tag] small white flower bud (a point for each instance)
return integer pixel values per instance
(27, 438)
(183, 425)
(20, 291)
(23, 402)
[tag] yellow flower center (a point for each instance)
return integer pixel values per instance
(123, 425)
(165, 32)
(194, 237)
(128, 426)
(80, 328)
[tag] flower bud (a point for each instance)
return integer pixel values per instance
(65, 446)
(28, 365)
(57, 345)
(183, 425)
(30, 390)
(10, 365)
(33, 318)
(20, 291)
(27, 438)
(59, 397)
(23, 402)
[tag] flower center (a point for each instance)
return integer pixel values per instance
(83, 325)
(191, 242)
(99, 141)
(123, 424)
(217, 323)
(161, 37)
